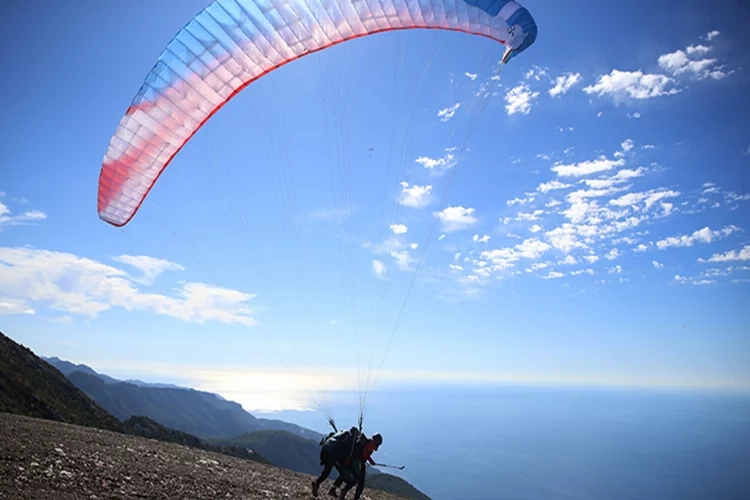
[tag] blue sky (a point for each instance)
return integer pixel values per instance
(579, 217)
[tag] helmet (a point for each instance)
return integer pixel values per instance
(378, 440)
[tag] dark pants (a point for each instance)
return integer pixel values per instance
(327, 460)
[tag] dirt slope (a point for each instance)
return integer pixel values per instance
(41, 459)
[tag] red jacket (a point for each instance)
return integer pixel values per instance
(368, 450)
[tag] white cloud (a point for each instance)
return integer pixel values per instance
(378, 269)
(399, 228)
(633, 84)
(678, 63)
(615, 270)
(519, 201)
(588, 167)
(150, 267)
(673, 61)
(414, 196)
(546, 187)
(569, 260)
(564, 83)
(537, 266)
(627, 145)
(685, 280)
(483, 239)
(445, 162)
(535, 228)
(471, 76)
(578, 272)
(10, 306)
(446, 114)
(730, 256)
(505, 258)
(28, 217)
(705, 235)
(648, 198)
(712, 34)
(441, 237)
(456, 267)
(553, 275)
(697, 50)
(657, 265)
(519, 99)
(564, 238)
(82, 286)
(613, 254)
(531, 216)
(536, 73)
(456, 218)
(532, 248)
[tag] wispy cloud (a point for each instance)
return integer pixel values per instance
(378, 269)
(7, 218)
(10, 306)
(683, 62)
(446, 114)
(414, 196)
(564, 83)
(446, 161)
(82, 286)
(150, 267)
(519, 99)
(546, 187)
(704, 235)
(633, 84)
(711, 35)
(588, 167)
(731, 256)
(398, 228)
(456, 218)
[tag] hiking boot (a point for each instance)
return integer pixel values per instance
(333, 492)
(315, 488)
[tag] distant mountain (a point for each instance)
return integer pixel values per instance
(282, 448)
(31, 387)
(188, 410)
(204, 414)
(145, 427)
(293, 452)
(66, 367)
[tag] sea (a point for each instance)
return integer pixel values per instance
(556, 443)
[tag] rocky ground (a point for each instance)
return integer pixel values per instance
(42, 459)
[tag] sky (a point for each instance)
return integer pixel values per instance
(398, 209)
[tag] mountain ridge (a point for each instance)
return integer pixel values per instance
(32, 386)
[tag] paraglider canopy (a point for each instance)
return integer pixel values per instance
(232, 43)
